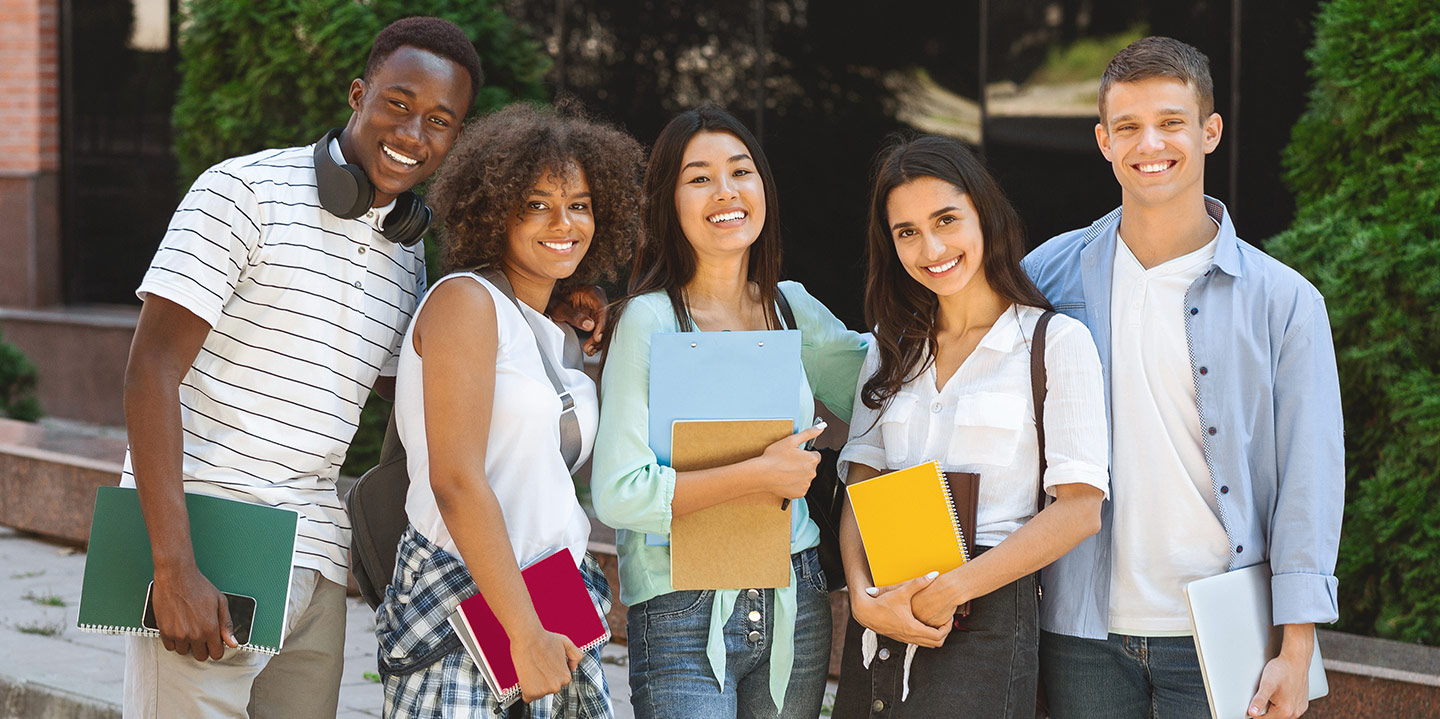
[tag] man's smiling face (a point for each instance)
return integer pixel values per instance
(1155, 139)
(408, 114)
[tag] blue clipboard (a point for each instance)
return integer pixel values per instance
(721, 375)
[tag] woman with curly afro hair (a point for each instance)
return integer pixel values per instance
(529, 198)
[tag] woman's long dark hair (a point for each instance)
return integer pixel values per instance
(902, 311)
(665, 260)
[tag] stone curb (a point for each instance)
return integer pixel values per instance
(22, 699)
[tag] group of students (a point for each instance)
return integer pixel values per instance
(1191, 414)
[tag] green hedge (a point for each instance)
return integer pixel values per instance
(1364, 162)
(17, 384)
(276, 73)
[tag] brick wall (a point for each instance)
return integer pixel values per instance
(29, 87)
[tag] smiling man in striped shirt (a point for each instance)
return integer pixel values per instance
(276, 300)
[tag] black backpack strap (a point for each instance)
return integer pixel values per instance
(1037, 389)
(786, 313)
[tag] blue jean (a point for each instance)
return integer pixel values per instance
(670, 674)
(1122, 677)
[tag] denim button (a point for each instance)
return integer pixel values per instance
(753, 593)
(754, 616)
(877, 706)
(884, 653)
(753, 637)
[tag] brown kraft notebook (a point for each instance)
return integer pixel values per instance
(740, 544)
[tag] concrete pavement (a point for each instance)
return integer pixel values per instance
(49, 669)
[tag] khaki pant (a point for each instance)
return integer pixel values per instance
(300, 682)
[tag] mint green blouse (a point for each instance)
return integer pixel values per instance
(632, 491)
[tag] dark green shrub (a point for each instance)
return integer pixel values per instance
(17, 384)
(1364, 162)
(276, 73)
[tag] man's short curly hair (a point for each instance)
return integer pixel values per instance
(496, 163)
(437, 35)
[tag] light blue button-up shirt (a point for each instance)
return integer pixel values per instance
(1269, 401)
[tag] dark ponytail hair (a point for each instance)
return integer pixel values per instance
(901, 310)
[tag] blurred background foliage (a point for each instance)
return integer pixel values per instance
(1363, 162)
(17, 384)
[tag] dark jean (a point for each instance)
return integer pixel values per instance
(1122, 677)
(987, 669)
(670, 674)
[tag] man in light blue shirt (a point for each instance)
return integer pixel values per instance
(1227, 446)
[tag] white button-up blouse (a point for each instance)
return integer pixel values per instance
(983, 420)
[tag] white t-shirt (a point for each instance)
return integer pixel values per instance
(523, 464)
(983, 420)
(1167, 525)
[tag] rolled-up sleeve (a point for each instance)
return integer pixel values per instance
(864, 445)
(629, 487)
(1077, 439)
(1310, 459)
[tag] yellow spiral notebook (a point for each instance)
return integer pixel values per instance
(908, 524)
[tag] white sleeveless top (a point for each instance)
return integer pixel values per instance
(522, 459)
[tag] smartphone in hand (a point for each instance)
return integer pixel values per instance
(242, 614)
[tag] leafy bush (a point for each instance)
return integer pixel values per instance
(1363, 162)
(17, 384)
(276, 73)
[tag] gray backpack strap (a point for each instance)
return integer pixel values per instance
(570, 441)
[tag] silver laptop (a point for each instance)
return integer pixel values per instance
(1235, 638)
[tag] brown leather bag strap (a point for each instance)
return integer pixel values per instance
(1037, 389)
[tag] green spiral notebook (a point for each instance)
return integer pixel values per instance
(242, 548)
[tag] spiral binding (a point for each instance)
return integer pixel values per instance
(505, 699)
(147, 632)
(950, 508)
(601, 640)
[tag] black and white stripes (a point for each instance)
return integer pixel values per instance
(306, 311)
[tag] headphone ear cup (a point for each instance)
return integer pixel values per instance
(408, 221)
(344, 190)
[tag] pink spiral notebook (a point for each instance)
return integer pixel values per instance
(563, 605)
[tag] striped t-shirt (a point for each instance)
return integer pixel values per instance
(306, 311)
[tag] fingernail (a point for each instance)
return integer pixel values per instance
(872, 591)
(588, 324)
(932, 575)
(1255, 711)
